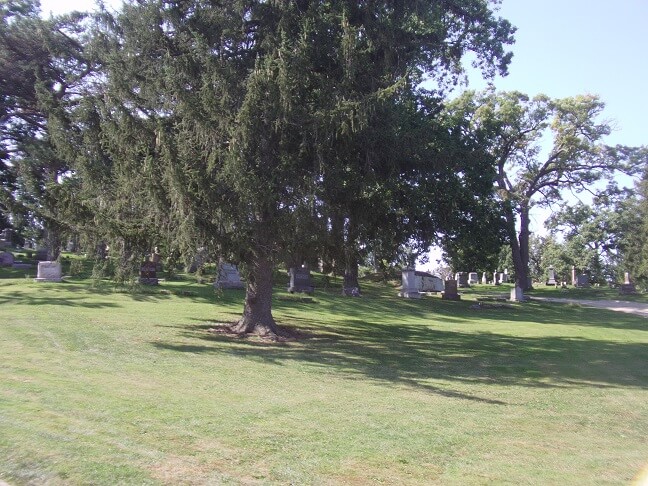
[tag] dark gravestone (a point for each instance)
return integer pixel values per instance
(582, 280)
(300, 281)
(450, 292)
(148, 273)
(6, 259)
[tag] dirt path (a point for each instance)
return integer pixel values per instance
(637, 308)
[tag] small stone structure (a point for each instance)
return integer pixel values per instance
(517, 295)
(450, 292)
(426, 282)
(551, 277)
(6, 259)
(49, 272)
(300, 281)
(496, 280)
(148, 273)
(228, 277)
(484, 279)
(409, 285)
(473, 278)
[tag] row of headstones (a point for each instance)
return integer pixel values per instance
(415, 284)
(465, 279)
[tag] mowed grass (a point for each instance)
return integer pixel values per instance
(102, 386)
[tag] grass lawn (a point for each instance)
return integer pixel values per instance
(101, 386)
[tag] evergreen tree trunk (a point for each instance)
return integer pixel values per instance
(257, 311)
(52, 241)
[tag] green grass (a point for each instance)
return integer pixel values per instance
(103, 386)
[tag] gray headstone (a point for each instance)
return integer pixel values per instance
(6, 259)
(484, 279)
(473, 278)
(426, 282)
(450, 292)
(551, 276)
(582, 280)
(228, 277)
(496, 280)
(300, 280)
(49, 272)
(503, 277)
(409, 285)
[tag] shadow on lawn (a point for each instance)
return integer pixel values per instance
(417, 355)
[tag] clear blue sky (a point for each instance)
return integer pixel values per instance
(570, 47)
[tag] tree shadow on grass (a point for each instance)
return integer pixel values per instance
(415, 355)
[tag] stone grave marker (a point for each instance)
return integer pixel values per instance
(426, 282)
(6, 259)
(148, 274)
(503, 277)
(300, 281)
(228, 277)
(49, 272)
(551, 276)
(450, 292)
(484, 279)
(473, 278)
(516, 294)
(409, 285)
(496, 280)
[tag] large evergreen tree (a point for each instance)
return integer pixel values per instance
(242, 117)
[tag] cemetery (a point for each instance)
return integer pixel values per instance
(287, 243)
(476, 361)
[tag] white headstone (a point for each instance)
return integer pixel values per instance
(49, 272)
(228, 277)
(473, 278)
(516, 294)
(409, 288)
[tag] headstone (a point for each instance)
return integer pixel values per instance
(462, 279)
(6, 259)
(582, 280)
(48, 272)
(484, 278)
(148, 274)
(503, 277)
(426, 282)
(450, 291)
(627, 287)
(300, 280)
(473, 278)
(551, 276)
(409, 285)
(228, 277)
(516, 294)
(574, 279)
(496, 280)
